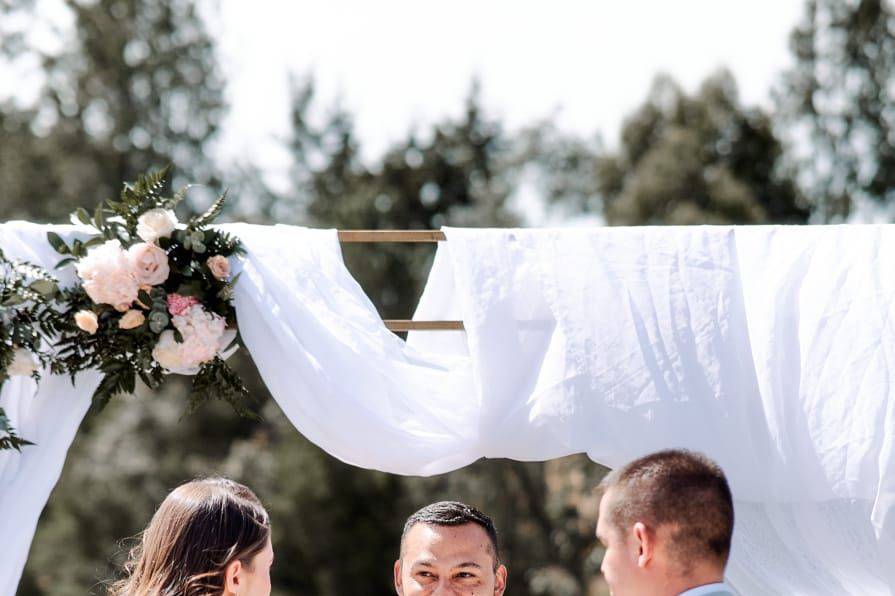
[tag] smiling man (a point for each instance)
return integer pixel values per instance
(449, 548)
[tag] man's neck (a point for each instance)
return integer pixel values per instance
(701, 577)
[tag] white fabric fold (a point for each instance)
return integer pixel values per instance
(347, 383)
(767, 348)
(47, 414)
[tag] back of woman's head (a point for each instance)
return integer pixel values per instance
(199, 529)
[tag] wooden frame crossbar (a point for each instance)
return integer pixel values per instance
(403, 236)
(391, 236)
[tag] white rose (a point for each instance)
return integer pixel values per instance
(155, 224)
(23, 363)
(167, 351)
(107, 277)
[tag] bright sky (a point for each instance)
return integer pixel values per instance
(400, 63)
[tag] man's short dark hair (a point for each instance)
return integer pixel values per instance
(453, 513)
(686, 490)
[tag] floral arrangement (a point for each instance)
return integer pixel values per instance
(29, 320)
(154, 296)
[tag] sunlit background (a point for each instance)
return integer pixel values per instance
(414, 115)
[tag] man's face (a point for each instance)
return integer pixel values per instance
(446, 560)
(621, 566)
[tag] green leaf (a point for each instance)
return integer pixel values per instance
(13, 300)
(44, 287)
(66, 261)
(98, 218)
(95, 241)
(58, 243)
(180, 195)
(210, 214)
(83, 216)
(144, 298)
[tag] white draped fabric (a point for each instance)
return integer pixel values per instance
(47, 415)
(767, 348)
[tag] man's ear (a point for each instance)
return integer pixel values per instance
(399, 587)
(500, 582)
(232, 578)
(644, 540)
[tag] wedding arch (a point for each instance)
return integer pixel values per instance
(770, 348)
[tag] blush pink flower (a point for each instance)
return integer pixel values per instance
(204, 336)
(179, 305)
(219, 266)
(131, 320)
(107, 275)
(149, 263)
(86, 320)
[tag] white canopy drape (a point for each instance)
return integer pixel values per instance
(48, 415)
(768, 348)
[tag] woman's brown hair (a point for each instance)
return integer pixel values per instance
(199, 529)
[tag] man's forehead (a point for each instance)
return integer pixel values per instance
(429, 541)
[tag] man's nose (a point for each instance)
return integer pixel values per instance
(444, 588)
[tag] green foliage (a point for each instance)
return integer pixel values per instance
(837, 105)
(200, 221)
(216, 380)
(699, 157)
(463, 173)
(136, 85)
(28, 318)
(123, 355)
(689, 160)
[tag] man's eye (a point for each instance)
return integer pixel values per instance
(465, 575)
(424, 574)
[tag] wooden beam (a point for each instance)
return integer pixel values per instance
(391, 236)
(399, 325)
(406, 236)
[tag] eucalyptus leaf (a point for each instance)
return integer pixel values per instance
(58, 243)
(44, 287)
(83, 217)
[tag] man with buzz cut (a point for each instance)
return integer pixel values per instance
(449, 548)
(666, 521)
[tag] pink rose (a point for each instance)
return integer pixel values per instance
(86, 321)
(149, 263)
(131, 320)
(178, 305)
(219, 266)
(107, 275)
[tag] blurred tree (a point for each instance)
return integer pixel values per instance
(336, 527)
(136, 86)
(463, 173)
(696, 160)
(837, 104)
